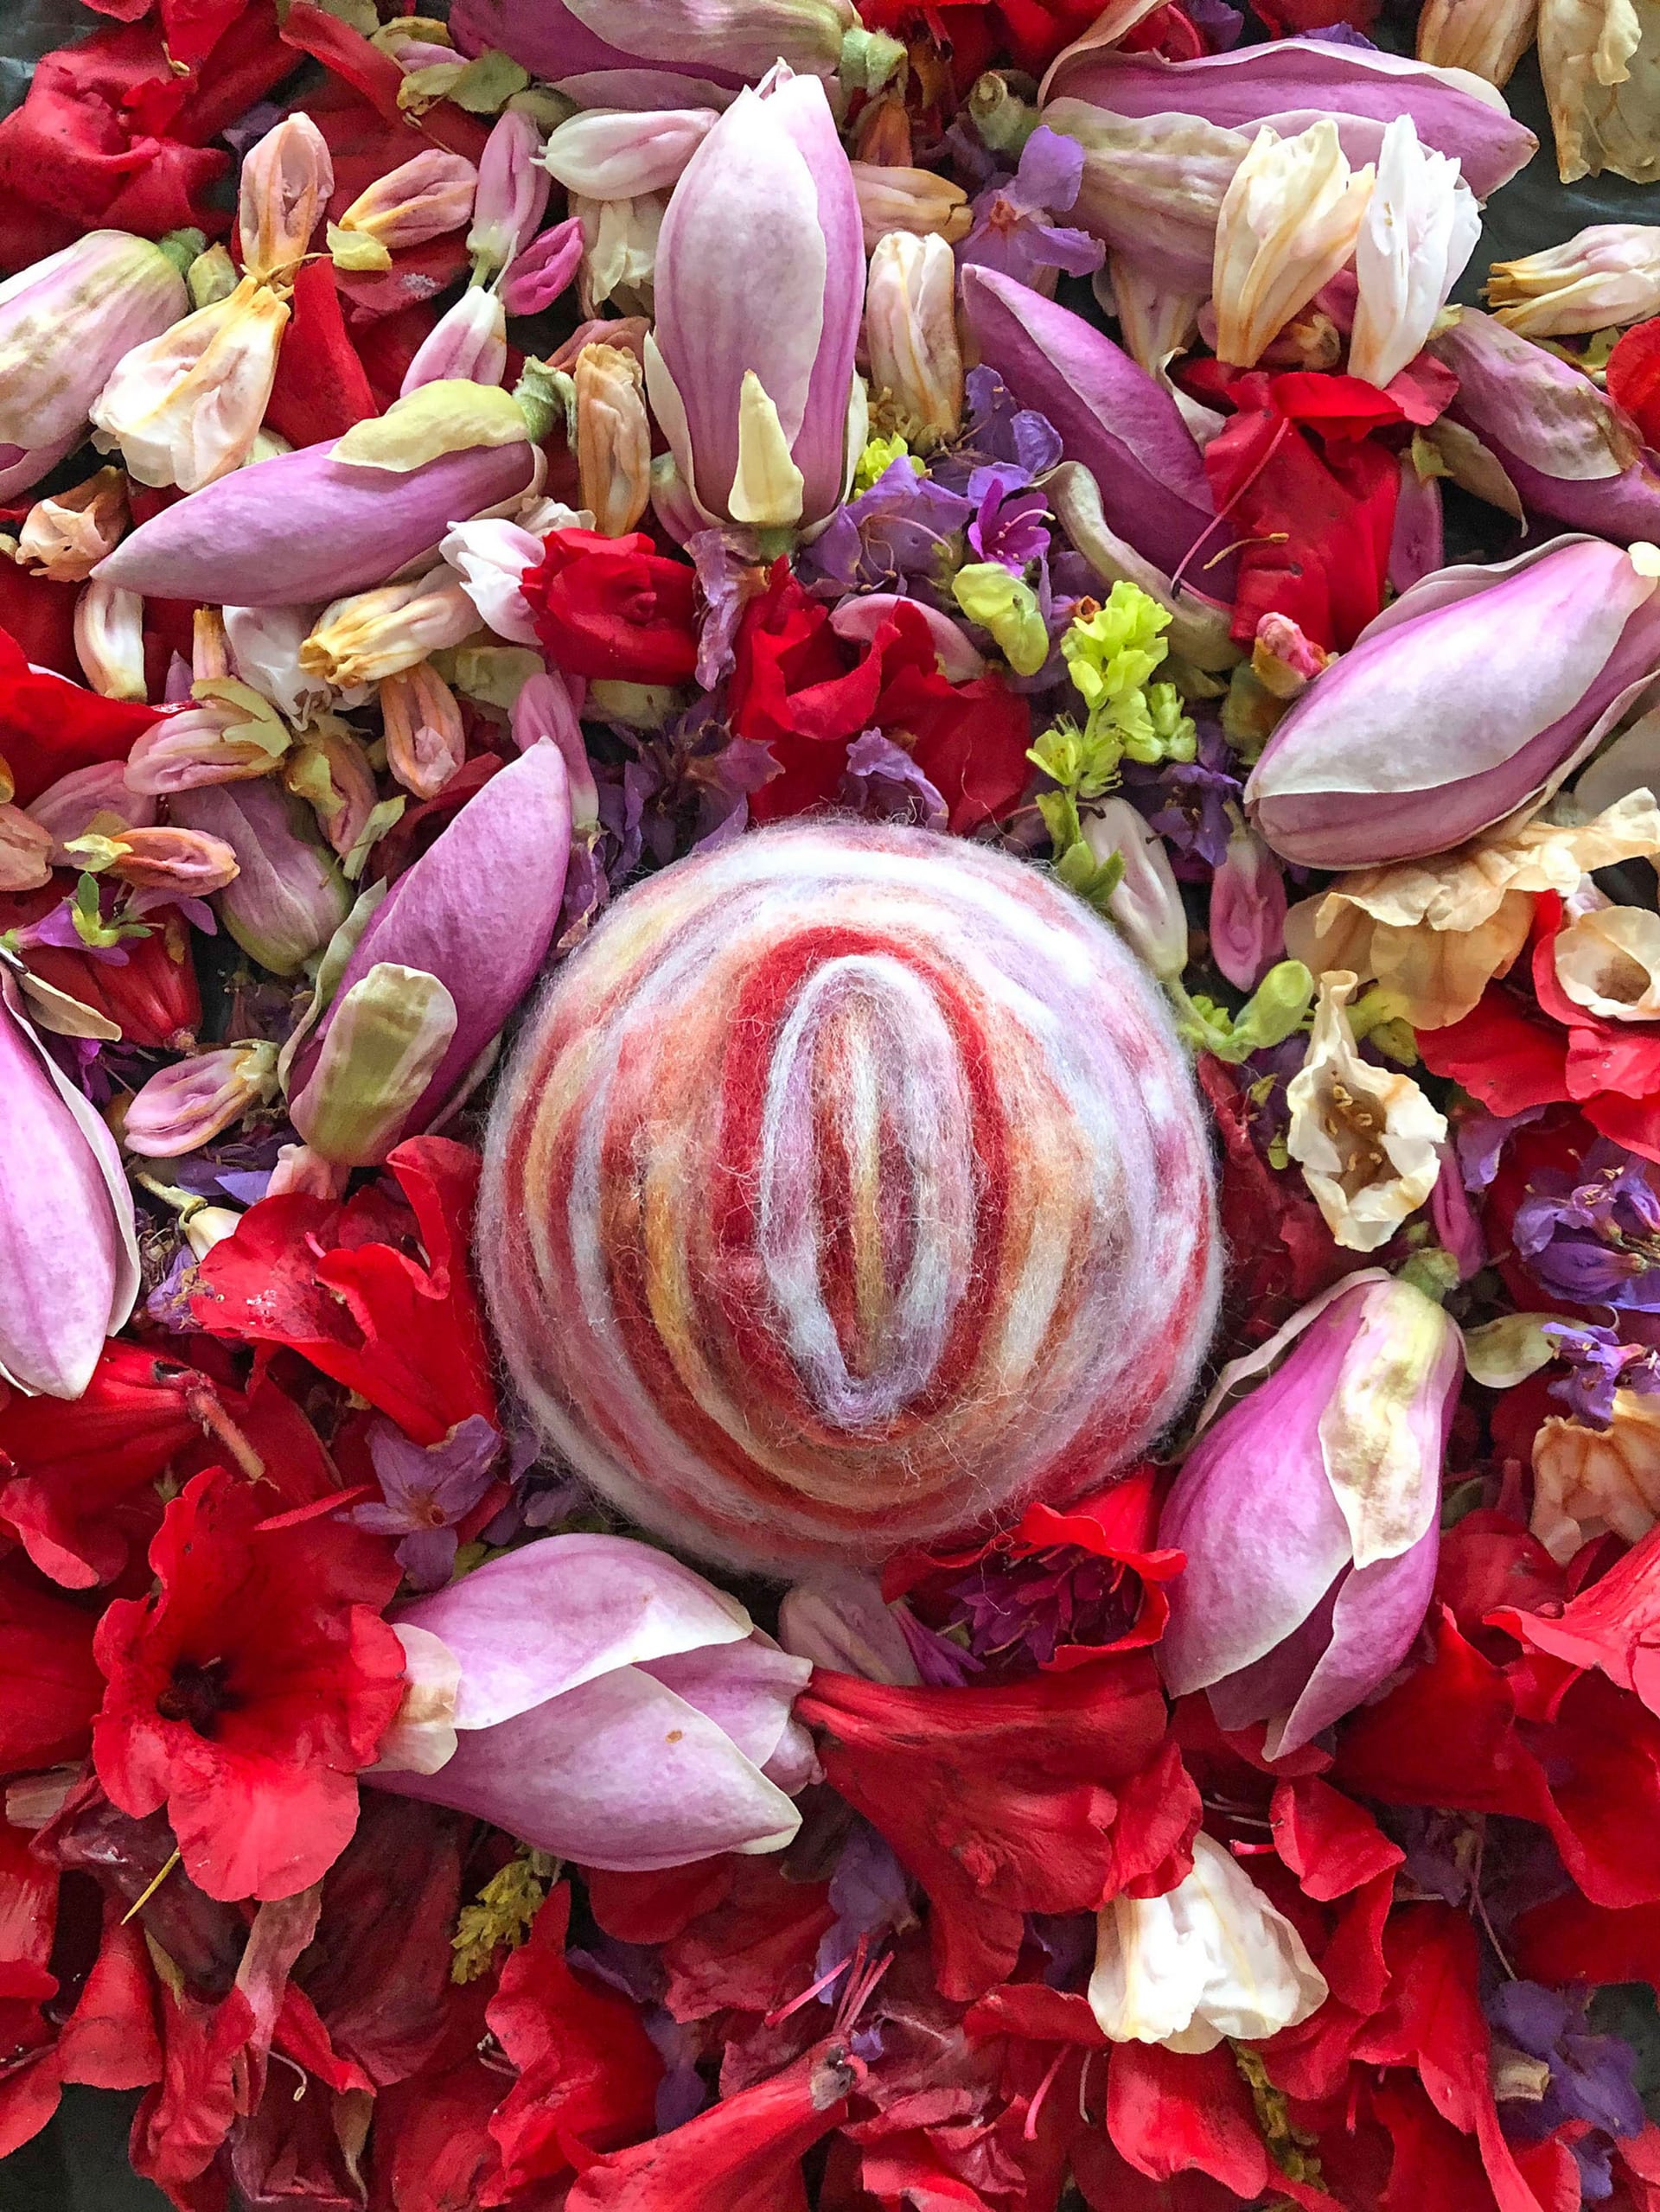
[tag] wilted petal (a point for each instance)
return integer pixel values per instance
(1418, 231)
(621, 156)
(197, 1100)
(469, 341)
(1605, 276)
(287, 180)
(66, 536)
(420, 718)
(1608, 961)
(185, 408)
(613, 438)
(1288, 225)
(1364, 1136)
(64, 324)
(1600, 61)
(910, 330)
(1487, 37)
(109, 630)
(1589, 1481)
(1208, 1959)
(25, 852)
(421, 199)
(376, 633)
(387, 1037)
(513, 192)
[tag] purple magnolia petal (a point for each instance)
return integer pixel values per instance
(1294, 81)
(748, 1688)
(302, 528)
(1111, 415)
(542, 1621)
(619, 1773)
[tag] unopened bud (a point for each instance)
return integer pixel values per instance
(288, 897)
(426, 741)
(422, 199)
(329, 769)
(909, 200)
(469, 340)
(1607, 274)
(110, 641)
(512, 195)
(385, 1042)
(165, 858)
(910, 328)
(377, 633)
(613, 438)
(1146, 906)
(197, 1100)
(230, 733)
(287, 179)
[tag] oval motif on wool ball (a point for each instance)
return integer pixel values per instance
(847, 1188)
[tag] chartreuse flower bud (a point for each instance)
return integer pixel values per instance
(385, 1039)
(1278, 1005)
(878, 456)
(1008, 607)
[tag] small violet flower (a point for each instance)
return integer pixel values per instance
(1599, 1365)
(426, 1490)
(1013, 228)
(1592, 1236)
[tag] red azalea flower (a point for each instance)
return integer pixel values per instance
(743, 2154)
(1577, 1757)
(805, 692)
(48, 725)
(1512, 1056)
(151, 995)
(1316, 512)
(1047, 1795)
(613, 608)
(751, 1952)
(344, 1285)
(67, 1468)
(250, 1689)
(110, 133)
(588, 2073)
(1033, 31)
(107, 2040)
(49, 1677)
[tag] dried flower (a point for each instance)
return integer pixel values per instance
(1365, 1137)
(613, 438)
(378, 633)
(1287, 224)
(425, 740)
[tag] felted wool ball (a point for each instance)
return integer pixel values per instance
(847, 1189)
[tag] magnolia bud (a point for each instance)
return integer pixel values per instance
(287, 179)
(110, 641)
(1248, 910)
(512, 195)
(387, 1038)
(1146, 906)
(421, 199)
(197, 1100)
(910, 330)
(67, 321)
(1607, 274)
(469, 341)
(376, 633)
(426, 741)
(613, 438)
(288, 898)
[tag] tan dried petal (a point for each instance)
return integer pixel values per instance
(1588, 1483)
(64, 536)
(1600, 61)
(1288, 225)
(1487, 37)
(613, 438)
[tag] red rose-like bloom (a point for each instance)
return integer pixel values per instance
(249, 1690)
(612, 607)
(803, 691)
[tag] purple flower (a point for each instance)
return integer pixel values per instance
(998, 429)
(1599, 1365)
(1030, 1606)
(1480, 1138)
(884, 784)
(720, 568)
(901, 528)
(869, 1895)
(1009, 526)
(1593, 2077)
(1592, 1236)
(426, 1490)
(1187, 802)
(1014, 231)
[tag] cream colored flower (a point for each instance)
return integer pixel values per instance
(1288, 223)
(910, 331)
(1487, 37)
(1211, 1958)
(110, 641)
(65, 535)
(1419, 228)
(1365, 1137)
(613, 437)
(1605, 274)
(1600, 61)
(619, 250)
(1436, 932)
(186, 408)
(1608, 961)
(378, 633)
(1589, 1481)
